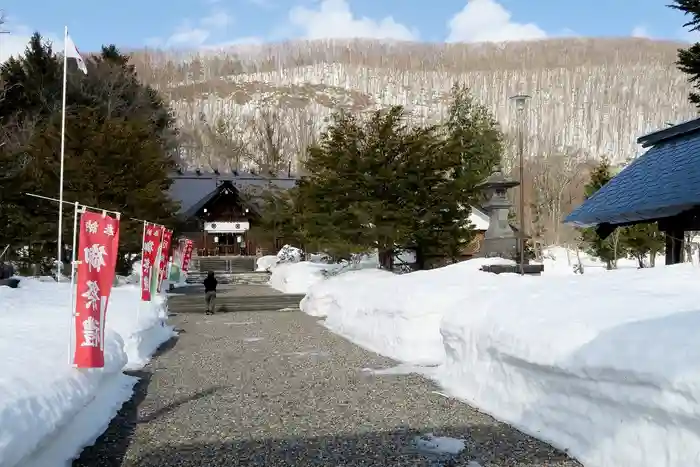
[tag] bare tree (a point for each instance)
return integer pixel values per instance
(553, 176)
(305, 132)
(226, 146)
(270, 142)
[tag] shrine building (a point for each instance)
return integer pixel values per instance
(661, 185)
(219, 209)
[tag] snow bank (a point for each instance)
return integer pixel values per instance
(559, 260)
(290, 275)
(265, 263)
(603, 365)
(395, 315)
(297, 277)
(40, 392)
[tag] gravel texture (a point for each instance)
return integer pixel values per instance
(278, 389)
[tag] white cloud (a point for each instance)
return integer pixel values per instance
(193, 35)
(217, 20)
(640, 31)
(333, 19)
(15, 43)
(489, 21)
(188, 37)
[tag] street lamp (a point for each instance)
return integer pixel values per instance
(520, 103)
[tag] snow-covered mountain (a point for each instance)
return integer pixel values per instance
(590, 96)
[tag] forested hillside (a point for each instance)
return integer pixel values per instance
(589, 96)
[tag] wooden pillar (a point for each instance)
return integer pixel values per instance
(674, 245)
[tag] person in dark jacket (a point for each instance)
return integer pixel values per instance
(210, 292)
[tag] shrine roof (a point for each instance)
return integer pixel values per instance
(663, 182)
(193, 189)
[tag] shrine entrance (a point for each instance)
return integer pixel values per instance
(229, 244)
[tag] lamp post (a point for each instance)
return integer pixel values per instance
(520, 103)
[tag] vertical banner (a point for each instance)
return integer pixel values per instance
(97, 249)
(187, 256)
(165, 256)
(158, 232)
(176, 265)
(149, 252)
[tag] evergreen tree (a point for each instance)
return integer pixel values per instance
(381, 183)
(642, 240)
(465, 149)
(607, 249)
(636, 241)
(689, 59)
(120, 137)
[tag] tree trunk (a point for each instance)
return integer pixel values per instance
(386, 259)
(420, 259)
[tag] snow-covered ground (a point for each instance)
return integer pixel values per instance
(603, 365)
(289, 274)
(49, 410)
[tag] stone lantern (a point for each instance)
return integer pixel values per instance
(499, 238)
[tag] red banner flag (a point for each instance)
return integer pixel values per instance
(97, 248)
(187, 256)
(164, 255)
(149, 253)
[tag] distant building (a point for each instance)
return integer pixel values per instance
(219, 210)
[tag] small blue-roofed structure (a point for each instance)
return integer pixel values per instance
(662, 185)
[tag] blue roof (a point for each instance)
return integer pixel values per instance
(661, 183)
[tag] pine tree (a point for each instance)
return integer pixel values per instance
(471, 148)
(689, 59)
(642, 240)
(608, 249)
(120, 137)
(382, 183)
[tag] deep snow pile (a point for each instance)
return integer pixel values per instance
(42, 396)
(396, 316)
(560, 260)
(603, 365)
(289, 274)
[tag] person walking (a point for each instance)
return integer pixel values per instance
(210, 284)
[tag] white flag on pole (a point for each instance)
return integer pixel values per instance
(72, 52)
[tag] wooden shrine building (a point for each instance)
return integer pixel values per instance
(218, 210)
(662, 185)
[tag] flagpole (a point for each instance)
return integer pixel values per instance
(143, 240)
(72, 278)
(63, 149)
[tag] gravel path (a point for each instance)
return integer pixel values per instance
(278, 389)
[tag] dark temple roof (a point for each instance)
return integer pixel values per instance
(663, 182)
(192, 189)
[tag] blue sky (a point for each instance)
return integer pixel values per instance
(202, 23)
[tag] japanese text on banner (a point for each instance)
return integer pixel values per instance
(164, 255)
(149, 254)
(187, 256)
(97, 248)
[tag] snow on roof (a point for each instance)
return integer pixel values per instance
(479, 219)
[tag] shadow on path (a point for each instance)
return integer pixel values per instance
(120, 431)
(111, 447)
(180, 402)
(390, 448)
